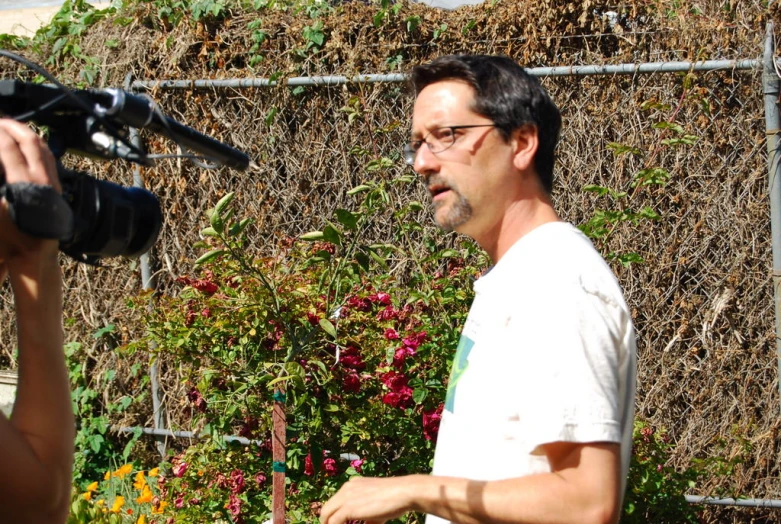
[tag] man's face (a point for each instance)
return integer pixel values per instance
(471, 181)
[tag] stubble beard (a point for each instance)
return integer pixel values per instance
(458, 214)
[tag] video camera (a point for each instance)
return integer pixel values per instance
(93, 219)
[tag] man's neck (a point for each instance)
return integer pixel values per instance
(521, 218)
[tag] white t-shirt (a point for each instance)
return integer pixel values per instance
(547, 354)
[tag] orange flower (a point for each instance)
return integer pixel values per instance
(154, 472)
(146, 495)
(100, 503)
(127, 469)
(107, 475)
(93, 487)
(87, 495)
(157, 510)
(141, 519)
(118, 503)
(140, 481)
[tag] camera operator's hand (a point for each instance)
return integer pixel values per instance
(36, 443)
(24, 157)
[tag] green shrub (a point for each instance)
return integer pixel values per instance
(358, 353)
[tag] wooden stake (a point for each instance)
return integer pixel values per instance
(278, 456)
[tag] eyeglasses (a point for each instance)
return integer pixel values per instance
(437, 141)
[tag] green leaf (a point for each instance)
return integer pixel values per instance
(216, 221)
(239, 227)
(669, 125)
(419, 395)
(359, 189)
(104, 331)
(278, 380)
(649, 213)
(347, 219)
(332, 235)
(208, 257)
(331, 408)
(95, 442)
(271, 116)
(363, 260)
(593, 188)
(619, 149)
(314, 33)
(222, 204)
(312, 236)
(328, 327)
(209, 232)
(377, 258)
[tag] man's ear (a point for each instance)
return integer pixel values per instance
(525, 142)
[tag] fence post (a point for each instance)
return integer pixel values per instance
(147, 282)
(770, 89)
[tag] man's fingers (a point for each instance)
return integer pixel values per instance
(25, 156)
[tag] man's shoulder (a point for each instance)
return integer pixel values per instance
(557, 248)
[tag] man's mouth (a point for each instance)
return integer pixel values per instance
(437, 190)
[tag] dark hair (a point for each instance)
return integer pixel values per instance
(505, 93)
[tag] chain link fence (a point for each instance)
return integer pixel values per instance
(684, 214)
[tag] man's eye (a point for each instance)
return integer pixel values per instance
(445, 134)
(415, 144)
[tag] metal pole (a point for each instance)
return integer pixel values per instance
(147, 283)
(752, 503)
(770, 89)
(185, 434)
(335, 80)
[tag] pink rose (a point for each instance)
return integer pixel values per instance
(329, 466)
(390, 334)
(179, 469)
(431, 421)
(357, 465)
(352, 383)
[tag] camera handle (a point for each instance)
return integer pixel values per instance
(38, 211)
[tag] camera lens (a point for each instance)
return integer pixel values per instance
(109, 219)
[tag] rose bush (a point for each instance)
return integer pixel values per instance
(359, 351)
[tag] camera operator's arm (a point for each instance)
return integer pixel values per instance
(36, 444)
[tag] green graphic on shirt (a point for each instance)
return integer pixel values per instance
(460, 363)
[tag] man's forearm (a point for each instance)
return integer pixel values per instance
(43, 414)
(544, 498)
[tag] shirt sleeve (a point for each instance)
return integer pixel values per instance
(567, 348)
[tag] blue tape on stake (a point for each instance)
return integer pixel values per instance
(279, 397)
(278, 467)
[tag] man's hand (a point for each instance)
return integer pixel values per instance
(374, 500)
(24, 157)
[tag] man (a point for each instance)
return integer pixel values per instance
(36, 444)
(537, 423)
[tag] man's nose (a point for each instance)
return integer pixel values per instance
(426, 162)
